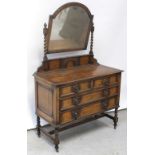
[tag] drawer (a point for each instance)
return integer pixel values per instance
(89, 97)
(85, 111)
(90, 109)
(75, 88)
(114, 79)
(99, 106)
(107, 81)
(66, 117)
(114, 90)
(80, 87)
(80, 100)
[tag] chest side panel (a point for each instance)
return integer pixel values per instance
(45, 102)
(45, 97)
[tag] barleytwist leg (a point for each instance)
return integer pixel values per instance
(38, 126)
(115, 118)
(56, 141)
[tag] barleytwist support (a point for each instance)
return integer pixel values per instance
(91, 42)
(38, 126)
(45, 32)
(56, 140)
(116, 117)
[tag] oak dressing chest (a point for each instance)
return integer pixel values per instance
(73, 90)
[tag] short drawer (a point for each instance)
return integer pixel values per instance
(107, 81)
(75, 88)
(85, 111)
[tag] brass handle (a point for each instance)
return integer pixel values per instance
(106, 82)
(74, 114)
(106, 92)
(104, 104)
(75, 101)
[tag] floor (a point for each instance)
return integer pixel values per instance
(94, 138)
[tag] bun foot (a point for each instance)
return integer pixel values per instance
(38, 133)
(115, 126)
(38, 126)
(115, 118)
(56, 147)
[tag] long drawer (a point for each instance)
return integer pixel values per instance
(86, 98)
(90, 109)
(87, 85)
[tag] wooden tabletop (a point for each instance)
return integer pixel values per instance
(63, 76)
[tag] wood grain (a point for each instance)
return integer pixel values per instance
(64, 76)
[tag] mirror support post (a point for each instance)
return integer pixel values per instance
(91, 42)
(45, 32)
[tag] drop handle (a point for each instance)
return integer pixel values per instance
(74, 115)
(106, 82)
(75, 89)
(104, 104)
(106, 92)
(75, 101)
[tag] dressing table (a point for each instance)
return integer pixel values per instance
(73, 90)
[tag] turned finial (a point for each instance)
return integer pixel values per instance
(45, 30)
(45, 25)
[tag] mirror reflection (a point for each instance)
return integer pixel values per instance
(70, 30)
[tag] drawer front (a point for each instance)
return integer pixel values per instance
(66, 117)
(75, 88)
(66, 90)
(85, 111)
(89, 97)
(80, 100)
(90, 109)
(107, 81)
(97, 83)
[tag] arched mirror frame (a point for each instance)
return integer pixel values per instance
(47, 31)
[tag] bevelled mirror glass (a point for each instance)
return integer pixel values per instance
(70, 29)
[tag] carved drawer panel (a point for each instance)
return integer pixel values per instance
(90, 109)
